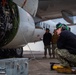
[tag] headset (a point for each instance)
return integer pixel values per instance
(64, 27)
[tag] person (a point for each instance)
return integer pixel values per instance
(66, 45)
(54, 42)
(47, 42)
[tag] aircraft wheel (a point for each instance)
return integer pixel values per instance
(1, 53)
(4, 53)
(19, 52)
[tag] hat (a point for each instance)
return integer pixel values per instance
(64, 27)
(47, 28)
(59, 25)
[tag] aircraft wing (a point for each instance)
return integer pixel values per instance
(51, 9)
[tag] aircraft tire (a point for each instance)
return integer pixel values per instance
(19, 52)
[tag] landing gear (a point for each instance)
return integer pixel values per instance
(19, 52)
(9, 53)
(4, 53)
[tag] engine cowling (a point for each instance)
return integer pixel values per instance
(9, 21)
(18, 26)
(25, 30)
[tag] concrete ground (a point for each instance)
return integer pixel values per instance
(39, 65)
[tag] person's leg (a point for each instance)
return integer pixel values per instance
(53, 50)
(66, 57)
(49, 50)
(60, 55)
(45, 51)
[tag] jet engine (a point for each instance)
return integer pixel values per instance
(17, 28)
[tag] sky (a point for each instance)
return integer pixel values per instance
(38, 46)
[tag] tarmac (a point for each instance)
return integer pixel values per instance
(39, 65)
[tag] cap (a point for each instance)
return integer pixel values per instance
(59, 25)
(64, 27)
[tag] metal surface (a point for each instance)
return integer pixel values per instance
(29, 5)
(25, 30)
(47, 9)
(52, 8)
(14, 66)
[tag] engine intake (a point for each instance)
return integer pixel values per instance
(9, 19)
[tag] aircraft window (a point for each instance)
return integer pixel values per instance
(45, 25)
(42, 25)
(38, 25)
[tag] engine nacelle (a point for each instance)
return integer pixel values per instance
(25, 30)
(9, 21)
(17, 27)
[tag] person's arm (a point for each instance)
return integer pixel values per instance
(61, 42)
(43, 38)
(50, 37)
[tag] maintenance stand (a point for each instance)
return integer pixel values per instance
(14, 66)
